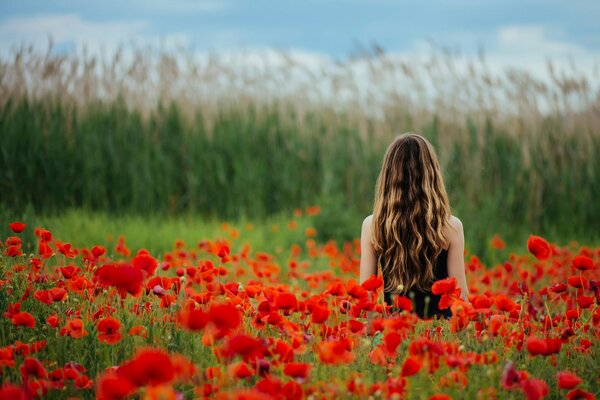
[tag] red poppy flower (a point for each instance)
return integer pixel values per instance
(65, 249)
(221, 250)
(12, 310)
(121, 248)
(83, 382)
(23, 319)
(145, 262)
(319, 313)
(558, 288)
(373, 283)
(403, 303)
(139, 330)
(543, 347)
(148, 367)
(534, 389)
(98, 251)
(505, 303)
(336, 288)
(13, 241)
(253, 290)
(580, 394)
(225, 318)
(31, 367)
(585, 301)
(567, 380)
(553, 346)
(539, 247)
(583, 263)
(74, 329)
(313, 210)
(111, 387)
(440, 396)
(12, 392)
(286, 301)
(297, 370)
(45, 250)
(355, 290)
(108, 330)
(125, 278)
(510, 376)
(37, 346)
(239, 370)
(53, 321)
(335, 352)
(7, 357)
(391, 341)
(269, 385)
(411, 366)
(482, 302)
(244, 345)
(193, 319)
(17, 227)
(355, 326)
(448, 299)
(444, 286)
(577, 281)
(51, 295)
(43, 234)
(310, 232)
(13, 251)
(69, 271)
(497, 243)
(536, 346)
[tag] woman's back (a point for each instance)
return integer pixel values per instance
(412, 235)
(425, 303)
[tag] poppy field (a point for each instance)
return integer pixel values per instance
(218, 318)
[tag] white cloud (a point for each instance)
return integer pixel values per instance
(532, 47)
(420, 73)
(70, 30)
(534, 39)
(185, 6)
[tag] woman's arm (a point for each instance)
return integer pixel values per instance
(456, 257)
(367, 254)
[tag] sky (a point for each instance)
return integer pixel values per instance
(510, 32)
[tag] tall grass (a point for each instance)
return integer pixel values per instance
(159, 132)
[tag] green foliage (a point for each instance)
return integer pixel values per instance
(253, 161)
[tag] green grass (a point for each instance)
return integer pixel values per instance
(254, 162)
(158, 233)
(83, 228)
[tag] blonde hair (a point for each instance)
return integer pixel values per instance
(410, 213)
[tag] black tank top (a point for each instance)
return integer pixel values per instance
(423, 307)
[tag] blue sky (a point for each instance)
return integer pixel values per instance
(511, 32)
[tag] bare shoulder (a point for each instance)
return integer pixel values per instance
(366, 225)
(454, 229)
(456, 223)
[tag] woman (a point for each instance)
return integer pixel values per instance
(411, 234)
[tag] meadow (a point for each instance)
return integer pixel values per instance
(154, 133)
(222, 318)
(188, 228)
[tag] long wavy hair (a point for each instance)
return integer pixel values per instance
(410, 213)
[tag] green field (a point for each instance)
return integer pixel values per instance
(121, 149)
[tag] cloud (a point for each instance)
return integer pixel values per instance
(532, 47)
(70, 31)
(186, 6)
(525, 47)
(534, 39)
(363, 81)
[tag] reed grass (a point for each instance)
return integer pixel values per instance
(145, 131)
